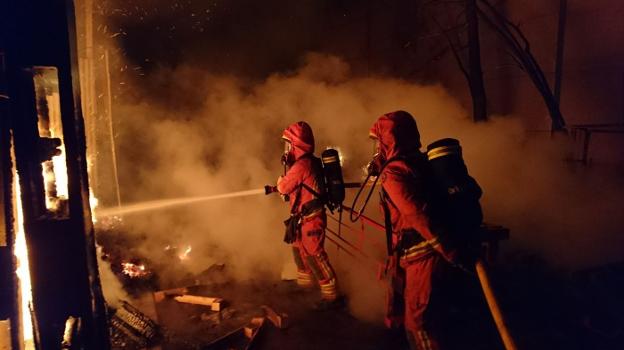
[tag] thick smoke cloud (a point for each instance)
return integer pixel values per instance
(230, 141)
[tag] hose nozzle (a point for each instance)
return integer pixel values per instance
(268, 189)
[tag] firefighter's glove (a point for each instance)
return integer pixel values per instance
(285, 197)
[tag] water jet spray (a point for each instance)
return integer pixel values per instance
(166, 203)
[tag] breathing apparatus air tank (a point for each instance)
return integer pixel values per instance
(333, 178)
(460, 190)
(445, 157)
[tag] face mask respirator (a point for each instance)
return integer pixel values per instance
(287, 157)
(373, 170)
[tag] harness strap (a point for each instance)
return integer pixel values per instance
(387, 221)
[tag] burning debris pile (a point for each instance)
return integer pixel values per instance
(134, 271)
(212, 312)
(137, 272)
(194, 318)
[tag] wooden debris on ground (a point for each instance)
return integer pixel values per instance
(243, 338)
(216, 304)
(279, 320)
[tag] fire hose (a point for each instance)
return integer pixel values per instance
(492, 302)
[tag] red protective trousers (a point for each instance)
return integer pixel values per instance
(408, 299)
(311, 258)
(417, 291)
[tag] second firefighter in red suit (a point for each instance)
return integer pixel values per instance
(303, 183)
(405, 184)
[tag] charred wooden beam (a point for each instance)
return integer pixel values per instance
(62, 256)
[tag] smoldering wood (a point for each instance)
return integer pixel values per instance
(10, 325)
(63, 261)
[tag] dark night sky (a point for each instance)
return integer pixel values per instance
(247, 37)
(256, 38)
(253, 39)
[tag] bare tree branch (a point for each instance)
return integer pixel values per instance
(520, 50)
(458, 59)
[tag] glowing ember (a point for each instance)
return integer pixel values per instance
(23, 272)
(134, 270)
(50, 128)
(173, 250)
(55, 179)
(60, 173)
(185, 254)
(93, 203)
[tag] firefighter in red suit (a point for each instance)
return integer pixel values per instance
(415, 249)
(303, 183)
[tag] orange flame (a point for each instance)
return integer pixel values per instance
(185, 254)
(134, 270)
(23, 272)
(93, 201)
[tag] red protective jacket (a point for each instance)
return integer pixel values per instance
(404, 181)
(305, 170)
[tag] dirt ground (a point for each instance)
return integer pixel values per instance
(545, 309)
(307, 328)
